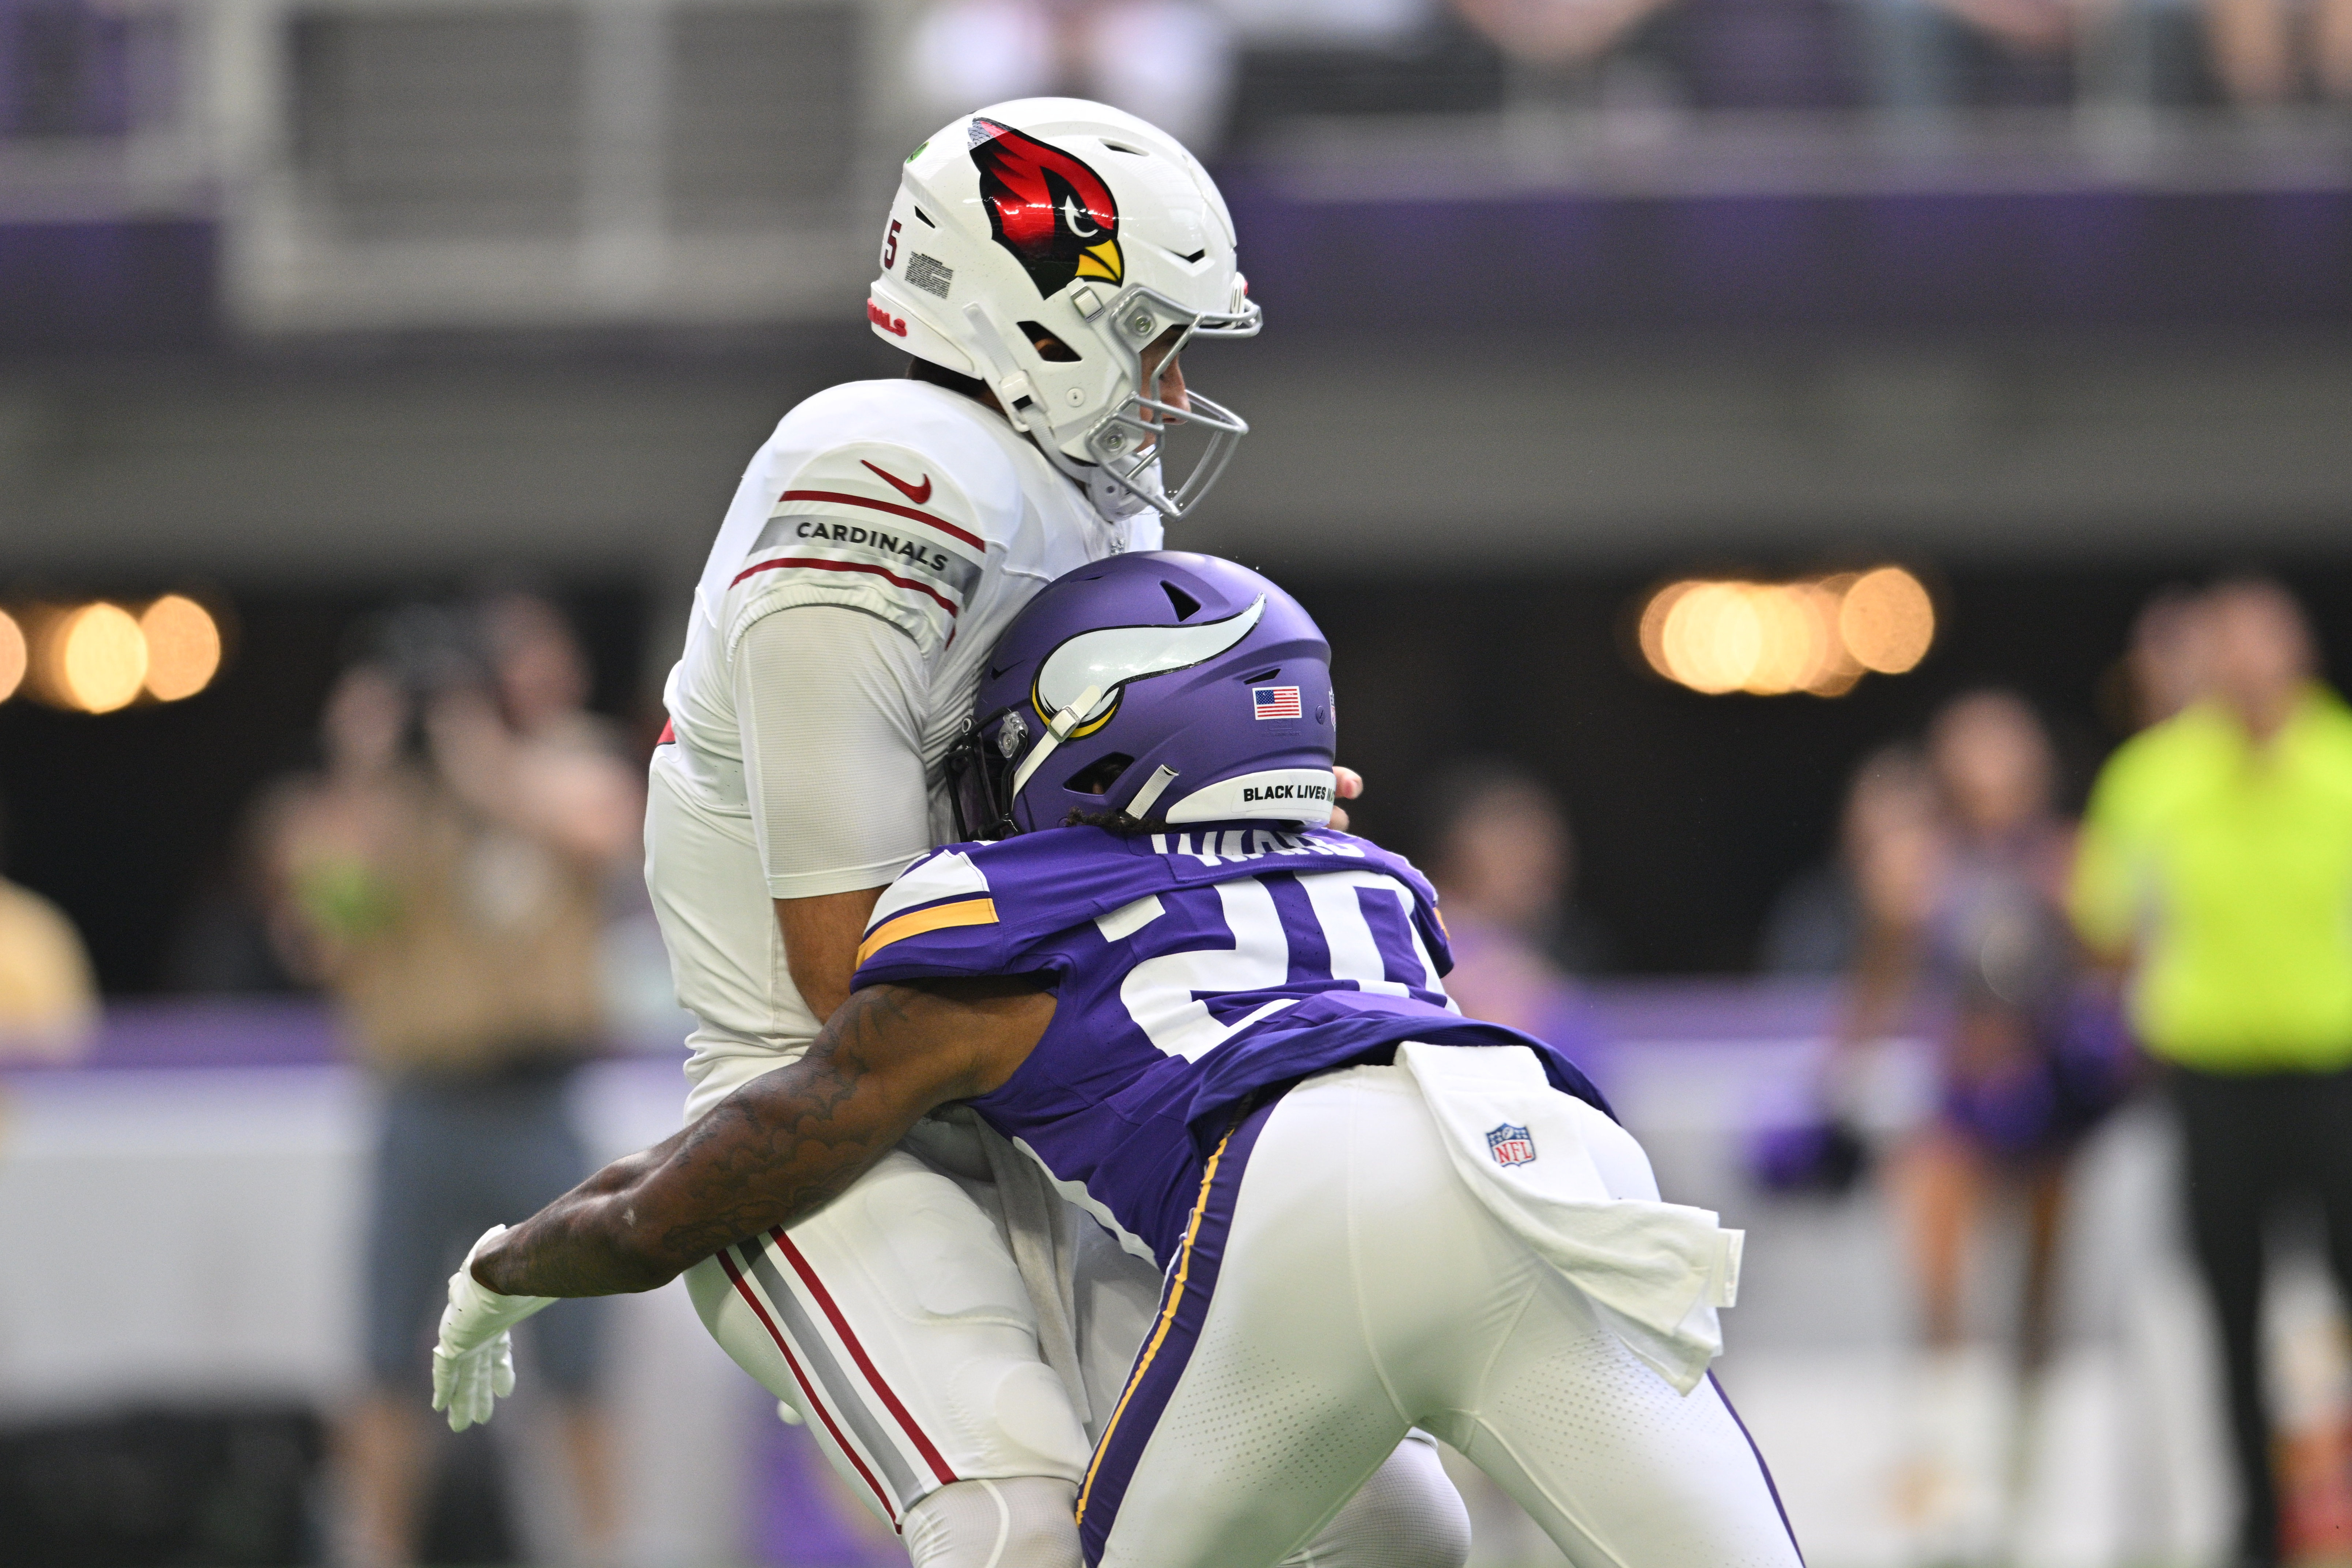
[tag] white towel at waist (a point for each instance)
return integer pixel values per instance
(1654, 1272)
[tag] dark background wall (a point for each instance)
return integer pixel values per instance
(131, 820)
(1691, 811)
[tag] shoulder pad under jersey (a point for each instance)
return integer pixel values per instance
(974, 909)
(887, 497)
(982, 908)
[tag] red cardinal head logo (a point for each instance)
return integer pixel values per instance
(1053, 213)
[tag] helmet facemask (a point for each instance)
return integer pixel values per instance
(1129, 445)
(979, 770)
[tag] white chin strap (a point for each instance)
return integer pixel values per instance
(1068, 719)
(1000, 369)
(1113, 497)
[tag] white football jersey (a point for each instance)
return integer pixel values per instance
(895, 498)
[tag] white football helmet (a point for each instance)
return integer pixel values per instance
(1040, 246)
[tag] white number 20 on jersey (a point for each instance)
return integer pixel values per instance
(1162, 994)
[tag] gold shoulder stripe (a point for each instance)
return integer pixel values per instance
(965, 912)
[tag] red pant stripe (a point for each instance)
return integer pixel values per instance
(808, 1390)
(923, 1444)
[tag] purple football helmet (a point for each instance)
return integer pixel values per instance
(1163, 686)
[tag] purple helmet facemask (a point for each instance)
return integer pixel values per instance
(1163, 687)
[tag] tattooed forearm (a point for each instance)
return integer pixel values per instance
(771, 1154)
(566, 1249)
(785, 1144)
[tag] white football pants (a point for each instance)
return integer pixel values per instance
(895, 1323)
(1341, 1285)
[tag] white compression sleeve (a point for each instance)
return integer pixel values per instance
(828, 705)
(1021, 1522)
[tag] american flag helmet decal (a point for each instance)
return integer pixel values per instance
(1274, 702)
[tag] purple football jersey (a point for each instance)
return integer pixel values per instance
(1191, 970)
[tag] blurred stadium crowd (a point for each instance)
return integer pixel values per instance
(81, 67)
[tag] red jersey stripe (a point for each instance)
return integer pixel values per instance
(857, 1351)
(808, 1391)
(883, 572)
(847, 499)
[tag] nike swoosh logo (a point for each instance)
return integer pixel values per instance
(919, 494)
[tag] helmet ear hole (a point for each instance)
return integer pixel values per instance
(1049, 348)
(1099, 776)
(1185, 605)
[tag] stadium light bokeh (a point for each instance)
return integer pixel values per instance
(11, 656)
(183, 647)
(96, 658)
(1817, 635)
(99, 657)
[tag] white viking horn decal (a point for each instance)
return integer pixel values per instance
(1107, 659)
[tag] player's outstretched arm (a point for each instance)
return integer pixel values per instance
(781, 1146)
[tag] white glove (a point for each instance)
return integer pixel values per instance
(473, 1366)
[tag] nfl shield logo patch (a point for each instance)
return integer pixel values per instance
(1511, 1145)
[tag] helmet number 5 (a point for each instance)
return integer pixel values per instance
(890, 245)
